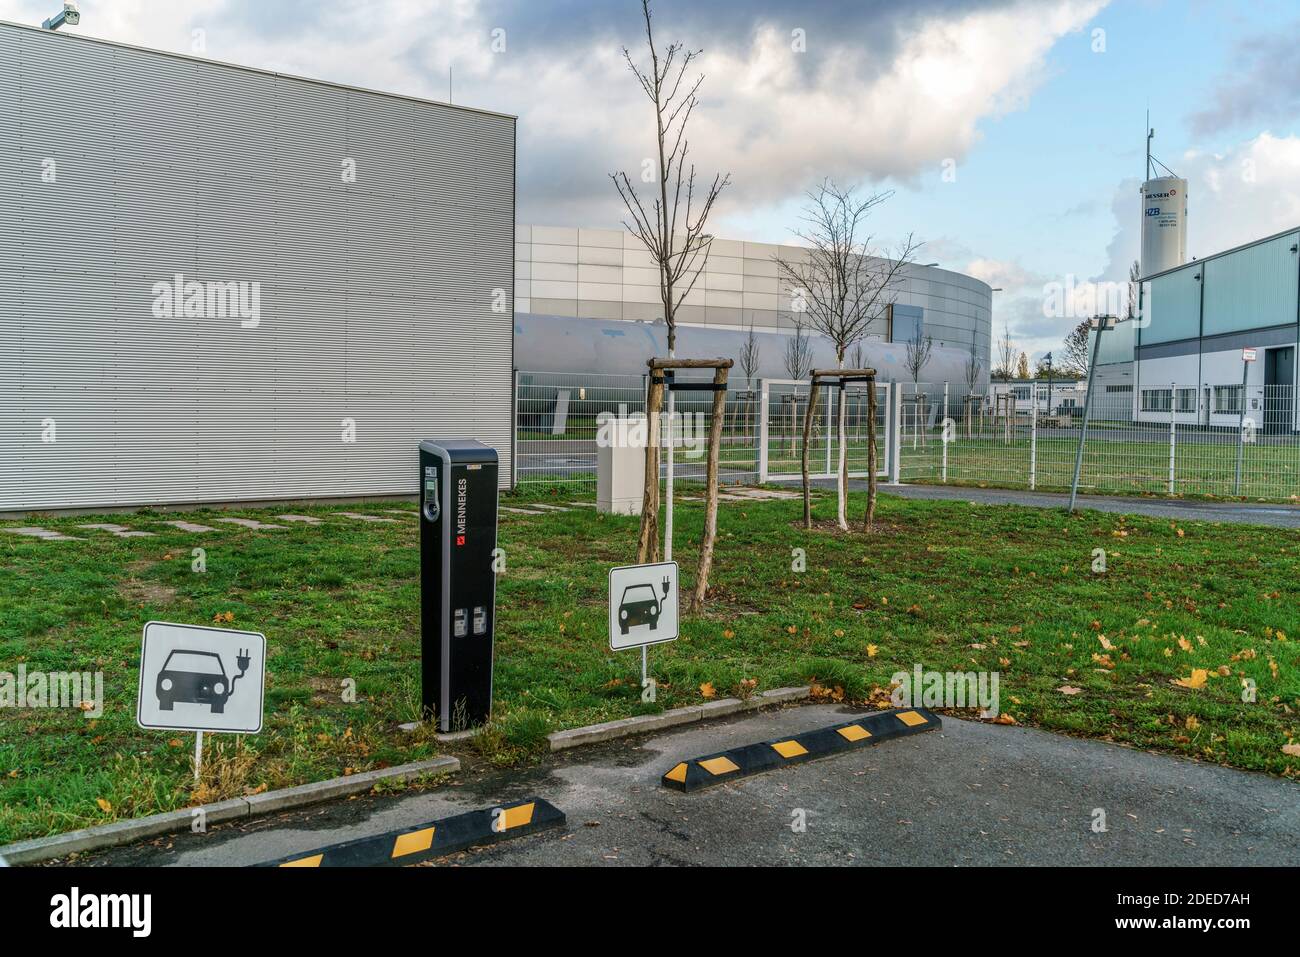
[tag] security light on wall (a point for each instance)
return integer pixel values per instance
(69, 15)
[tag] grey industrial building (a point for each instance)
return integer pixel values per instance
(605, 274)
(224, 283)
(1183, 356)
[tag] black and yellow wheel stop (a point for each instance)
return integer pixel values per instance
(823, 742)
(434, 839)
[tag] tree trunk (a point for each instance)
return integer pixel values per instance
(711, 491)
(647, 545)
(871, 453)
(807, 436)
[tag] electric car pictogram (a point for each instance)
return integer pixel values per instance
(198, 677)
(639, 606)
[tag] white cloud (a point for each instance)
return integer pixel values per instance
(891, 94)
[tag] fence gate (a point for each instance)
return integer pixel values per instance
(782, 407)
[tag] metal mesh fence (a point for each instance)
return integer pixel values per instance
(1170, 440)
(558, 420)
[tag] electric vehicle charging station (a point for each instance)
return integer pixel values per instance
(458, 538)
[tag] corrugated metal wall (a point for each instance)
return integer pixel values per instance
(376, 297)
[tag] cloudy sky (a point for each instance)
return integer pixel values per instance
(1034, 109)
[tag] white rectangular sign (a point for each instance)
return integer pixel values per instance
(1247, 355)
(642, 605)
(194, 678)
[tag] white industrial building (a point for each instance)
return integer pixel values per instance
(1183, 357)
(224, 283)
(607, 274)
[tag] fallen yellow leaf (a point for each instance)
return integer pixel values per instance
(1197, 679)
(707, 690)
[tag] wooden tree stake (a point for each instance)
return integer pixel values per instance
(711, 489)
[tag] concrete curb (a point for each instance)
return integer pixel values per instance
(139, 829)
(642, 724)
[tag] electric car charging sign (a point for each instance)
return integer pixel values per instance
(194, 678)
(642, 605)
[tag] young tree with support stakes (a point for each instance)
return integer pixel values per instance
(654, 404)
(671, 226)
(842, 378)
(842, 284)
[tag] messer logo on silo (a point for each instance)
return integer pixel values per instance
(461, 486)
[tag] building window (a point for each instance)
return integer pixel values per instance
(1185, 400)
(1021, 392)
(905, 322)
(1119, 388)
(1157, 400)
(1227, 399)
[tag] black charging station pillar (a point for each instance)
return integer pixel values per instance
(458, 535)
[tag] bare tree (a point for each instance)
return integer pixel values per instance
(750, 352)
(843, 283)
(672, 227)
(1075, 357)
(1006, 356)
(917, 355)
(750, 355)
(972, 370)
(798, 352)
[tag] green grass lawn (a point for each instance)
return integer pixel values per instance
(945, 584)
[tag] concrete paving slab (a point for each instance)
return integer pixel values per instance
(121, 531)
(188, 526)
(248, 523)
(46, 534)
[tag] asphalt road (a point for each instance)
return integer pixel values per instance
(971, 793)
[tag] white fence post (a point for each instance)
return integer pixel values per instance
(762, 431)
(943, 434)
(1033, 437)
(1173, 430)
(514, 430)
(896, 433)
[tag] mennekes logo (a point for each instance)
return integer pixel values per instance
(461, 491)
(75, 910)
